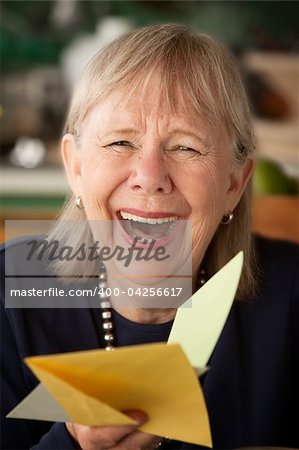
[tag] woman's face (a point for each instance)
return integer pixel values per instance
(136, 157)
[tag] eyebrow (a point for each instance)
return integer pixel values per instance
(132, 131)
(124, 131)
(180, 131)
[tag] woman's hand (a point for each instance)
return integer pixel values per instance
(114, 437)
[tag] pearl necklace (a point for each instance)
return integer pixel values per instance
(106, 310)
(106, 306)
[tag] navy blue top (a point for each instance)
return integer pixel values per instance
(251, 388)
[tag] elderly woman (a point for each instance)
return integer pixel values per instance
(159, 130)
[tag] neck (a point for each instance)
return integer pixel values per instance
(147, 316)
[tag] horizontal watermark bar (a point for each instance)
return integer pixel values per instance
(146, 265)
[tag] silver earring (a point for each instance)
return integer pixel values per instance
(227, 218)
(78, 202)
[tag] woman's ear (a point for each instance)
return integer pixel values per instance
(72, 162)
(239, 178)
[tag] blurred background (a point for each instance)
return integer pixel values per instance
(45, 45)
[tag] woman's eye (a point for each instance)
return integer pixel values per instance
(120, 147)
(188, 149)
(121, 144)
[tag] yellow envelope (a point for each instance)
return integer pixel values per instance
(93, 387)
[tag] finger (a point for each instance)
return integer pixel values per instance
(111, 435)
(107, 436)
(102, 437)
(139, 416)
(138, 440)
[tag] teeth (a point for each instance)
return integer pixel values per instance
(152, 221)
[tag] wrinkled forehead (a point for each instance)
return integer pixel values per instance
(148, 109)
(150, 98)
(162, 95)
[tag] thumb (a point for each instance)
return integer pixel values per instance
(139, 416)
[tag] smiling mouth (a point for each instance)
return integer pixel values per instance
(147, 228)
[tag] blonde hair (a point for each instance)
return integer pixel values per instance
(205, 73)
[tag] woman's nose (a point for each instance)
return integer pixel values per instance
(150, 175)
